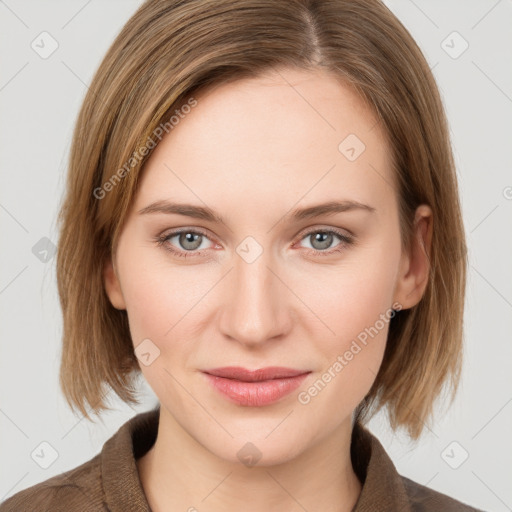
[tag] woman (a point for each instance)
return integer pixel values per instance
(262, 218)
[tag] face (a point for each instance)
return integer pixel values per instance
(258, 283)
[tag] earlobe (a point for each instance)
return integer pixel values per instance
(112, 285)
(415, 266)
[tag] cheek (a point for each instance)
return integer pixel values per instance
(157, 311)
(163, 301)
(150, 306)
(354, 303)
(155, 293)
(354, 295)
(352, 356)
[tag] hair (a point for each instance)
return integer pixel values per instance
(171, 49)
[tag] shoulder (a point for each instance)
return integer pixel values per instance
(383, 484)
(424, 499)
(77, 489)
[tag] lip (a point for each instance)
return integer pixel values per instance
(255, 388)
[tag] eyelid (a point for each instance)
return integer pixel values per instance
(325, 228)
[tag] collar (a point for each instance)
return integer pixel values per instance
(121, 483)
(381, 483)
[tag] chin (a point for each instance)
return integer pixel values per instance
(251, 452)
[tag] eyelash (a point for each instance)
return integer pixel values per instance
(162, 239)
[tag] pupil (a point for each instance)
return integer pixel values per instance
(324, 244)
(190, 238)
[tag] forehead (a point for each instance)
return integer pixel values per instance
(285, 138)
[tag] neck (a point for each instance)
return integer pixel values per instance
(179, 473)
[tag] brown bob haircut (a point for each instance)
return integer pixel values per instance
(170, 50)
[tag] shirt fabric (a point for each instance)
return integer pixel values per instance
(110, 480)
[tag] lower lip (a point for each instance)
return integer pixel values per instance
(255, 394)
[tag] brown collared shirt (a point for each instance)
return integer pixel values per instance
(110, 480)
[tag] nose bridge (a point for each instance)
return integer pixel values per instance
(256, 307)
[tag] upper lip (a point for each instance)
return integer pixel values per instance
(245, 375)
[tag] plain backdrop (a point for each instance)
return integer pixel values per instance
(468, 451)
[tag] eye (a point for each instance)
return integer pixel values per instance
(322, 240)
(188, 242)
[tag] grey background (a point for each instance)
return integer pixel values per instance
(39, 100)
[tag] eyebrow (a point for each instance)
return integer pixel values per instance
(205, 213)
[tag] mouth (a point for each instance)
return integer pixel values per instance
(255, 388)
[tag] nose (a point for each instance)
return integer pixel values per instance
(256, 308)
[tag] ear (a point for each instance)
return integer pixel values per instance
(112, 285)
(414, 268)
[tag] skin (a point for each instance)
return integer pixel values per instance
(252, 151)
